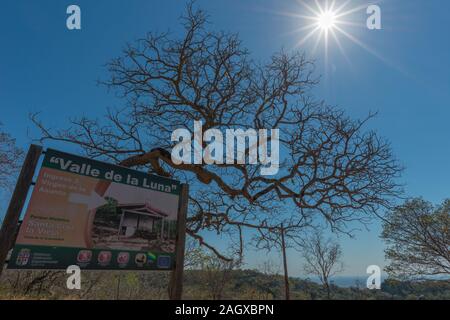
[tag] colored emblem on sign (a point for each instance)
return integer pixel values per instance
(151, 257)
(123, 258)
(23, 257)
(84, 256)
(163, 262)
(140, 259)
(104, 257)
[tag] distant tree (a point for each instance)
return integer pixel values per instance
(10, 159)
(417, 235)
(213, 271)
(216, 273)
(269, 284)
(194, 256)
(331, 166)
(322, 259)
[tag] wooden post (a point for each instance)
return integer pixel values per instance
(176, 282)
(17, 202)
(118, 286)
(286, 276)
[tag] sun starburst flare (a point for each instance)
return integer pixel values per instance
(327, 22)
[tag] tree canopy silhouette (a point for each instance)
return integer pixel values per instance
(330, 167)
(418, 239)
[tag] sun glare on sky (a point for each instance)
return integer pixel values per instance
(326, 23)
(326, 20)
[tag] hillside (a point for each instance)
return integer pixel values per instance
(201, 284)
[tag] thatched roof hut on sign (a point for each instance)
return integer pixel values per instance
(141, 217)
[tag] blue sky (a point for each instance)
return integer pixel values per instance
(45, 67)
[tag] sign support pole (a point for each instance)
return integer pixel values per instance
(176, 281)
(17, 202)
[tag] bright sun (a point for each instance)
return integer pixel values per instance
(326, 20)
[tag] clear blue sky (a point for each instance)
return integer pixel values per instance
(45, 67)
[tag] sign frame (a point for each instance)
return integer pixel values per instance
(17, 203)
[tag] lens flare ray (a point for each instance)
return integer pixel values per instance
(327, 22)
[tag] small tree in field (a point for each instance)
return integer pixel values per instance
(213, 272)
(322, 259)
(330, 166)
(417, 235)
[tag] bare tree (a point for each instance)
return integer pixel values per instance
(322, 259)
(268, 285)
(281, 238)
(10, 159)
(217, 275)
(194, 254)
(417, 235)
(214, 273)
(330, 165)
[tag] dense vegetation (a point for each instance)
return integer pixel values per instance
(203, 284)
